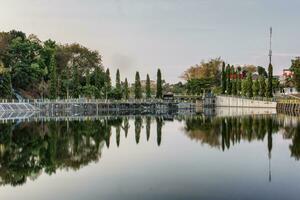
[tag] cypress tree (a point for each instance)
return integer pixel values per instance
(234, 81)
(223, 78)
(244, 87)
(137, 86)
(159, 85)
(108, 80)
(228, 84)
(262, 86)
(270, 84)
(53, 79)
(107, 88)
(148, 87)
(239, 82)
(256, 88)
(99, 81)
(118, 80)
(126, 89)
(249, 85)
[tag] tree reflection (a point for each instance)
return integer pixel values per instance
(30, 149)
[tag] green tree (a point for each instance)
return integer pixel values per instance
(249, 85)
(224, 81)
(256, 88)
(262, 86)
(159, 92)
(126, 89)
(53, 79)
(5, 85)
(262, 71)
(234, 81)
(75, 82)
(118, 80)
(99, 81)
(228, 84)
(270, 81)
(296, 69)
(244, 87)
(107, 87)
(239, 81)
(117, 92)
(137, 86)
(148, 87)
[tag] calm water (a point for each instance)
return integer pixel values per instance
(190, 157)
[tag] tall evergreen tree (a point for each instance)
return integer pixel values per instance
(234, 81)
(107, 83)
(228, 84)
(126, 89)
(108, 79)
(249, 85)
(148, 87)
(244, 87)
(239, 81)
(99, 82)
(159, 92)
(224, 81)
(137, 86)
(118, 80)
(256, 88)
(53, 79)
(270, 81)
(262, 86)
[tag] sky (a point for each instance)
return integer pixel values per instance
(143, 35)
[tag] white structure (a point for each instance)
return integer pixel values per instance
(227, 101)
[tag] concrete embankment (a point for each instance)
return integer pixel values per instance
(228, 101)
(289, 106)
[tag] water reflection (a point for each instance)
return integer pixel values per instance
(30, 149)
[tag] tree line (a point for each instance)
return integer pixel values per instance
(241, 83)
(47, 69)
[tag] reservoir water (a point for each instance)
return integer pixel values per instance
(152, 157)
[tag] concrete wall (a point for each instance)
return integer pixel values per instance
(236, 111)
(224, 101)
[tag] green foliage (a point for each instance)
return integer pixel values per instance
(249, 85)
(199, 86)
(239, 81)
(256, 88)
(5, 85)
(53, 79)
(148, 87)
(99, 79)
(31, 60)
(118, 80)
(89, 91)
(137, 86)
(76, 87)
(224, 79)
(296, 69)
(270, 82)
(159, 90)
(262, 71)
(126, 89)
(262, 86)
(244, 87)
(228, 84)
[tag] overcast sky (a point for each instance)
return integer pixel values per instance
(170, 34)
